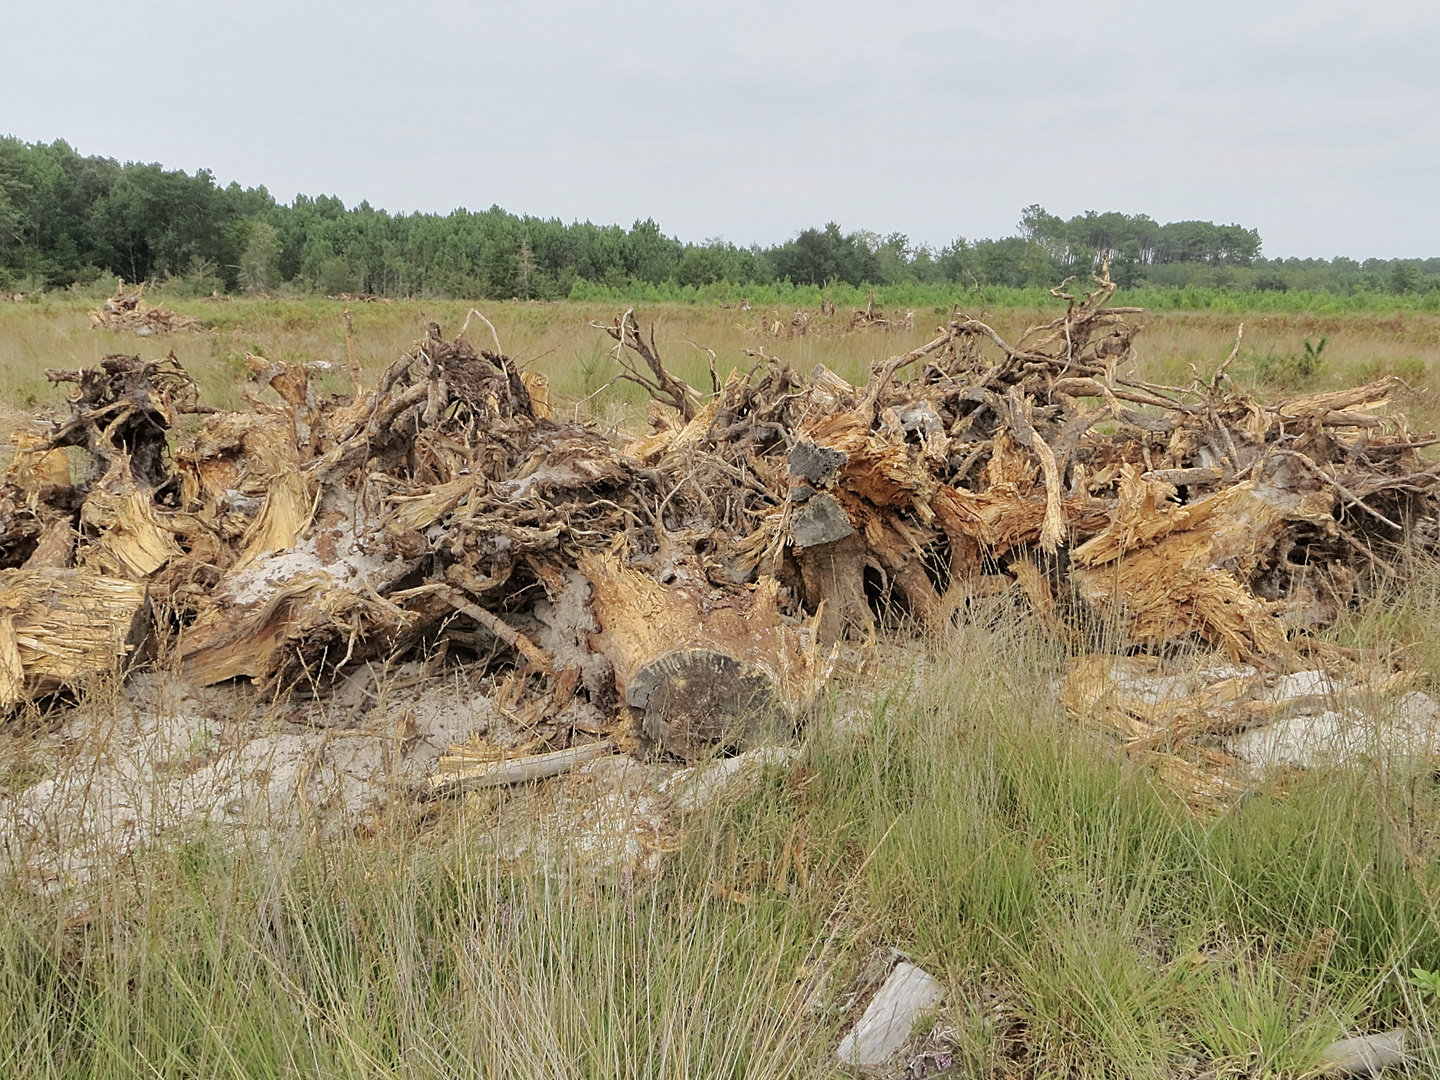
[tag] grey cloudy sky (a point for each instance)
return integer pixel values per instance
(1315, 122)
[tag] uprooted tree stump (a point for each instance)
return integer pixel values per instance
(128, 311)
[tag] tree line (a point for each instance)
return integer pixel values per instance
(67, 218)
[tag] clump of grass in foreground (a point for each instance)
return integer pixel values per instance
(1083, 922)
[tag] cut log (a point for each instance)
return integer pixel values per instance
(704, 669)
(62, 628)
(697, 698)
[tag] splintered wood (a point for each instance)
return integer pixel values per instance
(61, 628)
(692, 584)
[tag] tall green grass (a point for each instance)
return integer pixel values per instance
(1082, 921)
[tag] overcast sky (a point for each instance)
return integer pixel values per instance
(1315, 122)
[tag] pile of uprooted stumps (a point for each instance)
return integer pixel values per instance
(692, 584)
(127, 310)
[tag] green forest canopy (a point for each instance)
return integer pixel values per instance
(67, 218)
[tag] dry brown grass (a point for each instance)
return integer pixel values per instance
(558, 340)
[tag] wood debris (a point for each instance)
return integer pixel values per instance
(64, 628)
(872, 318)
(457, 774)
(1208, 732)
(692, 584)
(822, 321)
(128, 311)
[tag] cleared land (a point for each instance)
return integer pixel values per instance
(1082, 921)
(556, 339)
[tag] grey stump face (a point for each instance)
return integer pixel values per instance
(697, 699)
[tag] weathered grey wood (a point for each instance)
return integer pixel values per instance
(819, 521)
(1179, 477)
(888, 1020)
(696, 699)
(818, 464)
(520, 770)
(1366, 1055)
(727, 780)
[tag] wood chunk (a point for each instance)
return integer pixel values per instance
(818, 520)
(834, 576)
(229, 641)
(889, 1019)
(1164, 571)
(131, 541)
(283, 516)
(537, 385)
(62, 628)
(56, 549)
(518, 770)
(1184, 477)
(34, 467)
(1365, 1055)
(817, 464)
(724, 781)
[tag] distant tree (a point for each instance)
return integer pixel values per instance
(500, 268)
(1404, 277)
(260, 261)
(651, 255)
(337, 276)
(525, 267)
(816, 256)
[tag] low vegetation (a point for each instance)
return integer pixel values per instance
(1082, 922)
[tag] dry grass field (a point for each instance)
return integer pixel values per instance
(556, 338)
(1082, 921)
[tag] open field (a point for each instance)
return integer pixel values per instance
(1082, 920)
(556, 338)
